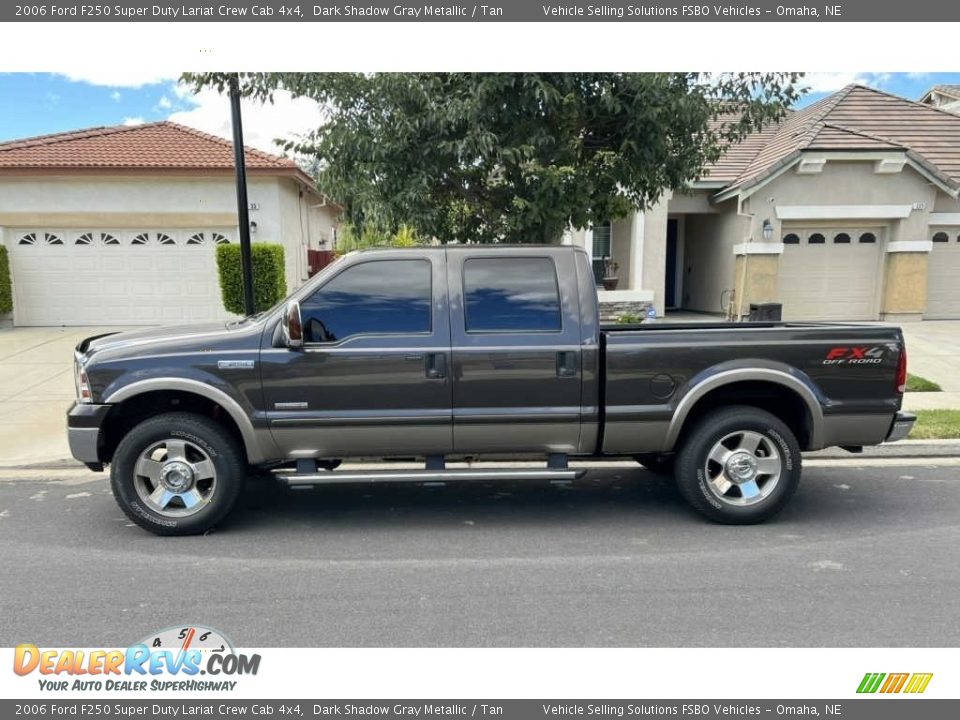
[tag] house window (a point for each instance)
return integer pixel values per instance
(165, 239)
(511, 295)
(791, 239)
(28, 239)
(841, 238)
(219, 239)
(816, 239)
(380, 297)
(602, 242)
(141, 239)
(85, 239)
(868, 237)
(108, 239)
(195, 239)
(53, 239)
(941, 237)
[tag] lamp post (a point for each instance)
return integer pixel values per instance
(243, 207)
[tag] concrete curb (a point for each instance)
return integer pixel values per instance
(901, 449)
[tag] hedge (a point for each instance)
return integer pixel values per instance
(269, 284)
(6, 290)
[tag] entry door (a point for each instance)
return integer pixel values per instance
(373, 375)
(516, 350)
(670, 281)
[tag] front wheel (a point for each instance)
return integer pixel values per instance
(177, 474)
(739, 465)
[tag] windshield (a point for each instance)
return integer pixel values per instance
(263, 313)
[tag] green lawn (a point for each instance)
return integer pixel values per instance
(936, 424)
(915, 383)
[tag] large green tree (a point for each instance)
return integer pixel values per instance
(516, 157)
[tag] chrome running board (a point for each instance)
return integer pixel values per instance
(452, 475)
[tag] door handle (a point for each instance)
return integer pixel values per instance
(566, 363)
(436, 366)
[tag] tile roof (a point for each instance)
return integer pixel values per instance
(160, 145)
(854, 119)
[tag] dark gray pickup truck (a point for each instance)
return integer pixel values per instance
(443, 353)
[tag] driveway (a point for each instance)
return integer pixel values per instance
(36, 387)
(36, 383)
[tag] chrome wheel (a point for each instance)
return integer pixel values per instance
(743, 468)
(175, 478)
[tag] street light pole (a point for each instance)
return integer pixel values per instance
(243, 207)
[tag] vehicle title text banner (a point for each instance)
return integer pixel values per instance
(504, 11)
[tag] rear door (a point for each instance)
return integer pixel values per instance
(372, 377)
(517, 366)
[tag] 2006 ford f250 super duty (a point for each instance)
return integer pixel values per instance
(438, 353)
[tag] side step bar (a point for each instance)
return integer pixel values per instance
(452, 475)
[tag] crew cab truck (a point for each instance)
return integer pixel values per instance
(440, 353)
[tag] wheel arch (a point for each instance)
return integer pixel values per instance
(782, 393)
(225, 409)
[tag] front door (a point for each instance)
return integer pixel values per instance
(670, 280)
(372, 377)
(516, 350)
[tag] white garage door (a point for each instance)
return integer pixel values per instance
(943, 276)
(830, 274)
(109, 277)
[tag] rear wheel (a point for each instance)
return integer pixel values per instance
(177, 474)
(739, 465)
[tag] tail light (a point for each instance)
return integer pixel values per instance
(902, 370)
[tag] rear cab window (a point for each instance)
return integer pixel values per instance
(511, 294)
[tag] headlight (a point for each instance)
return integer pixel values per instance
(80, 381)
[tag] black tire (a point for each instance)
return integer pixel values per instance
(221, 447)
(656, 462)
(692, 460)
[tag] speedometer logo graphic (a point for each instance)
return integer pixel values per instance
(189, 637)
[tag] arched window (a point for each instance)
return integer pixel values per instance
(841, 238)
(941, 237)
(195, 239)
(108, 239)
(165, 239)
(141, 239)
(816, 239)
(791, 239)
(28, 239)
(85, 239)
(868, 237)
(53, 239)
(219, 239)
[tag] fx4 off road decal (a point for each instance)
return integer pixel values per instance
(855, 355)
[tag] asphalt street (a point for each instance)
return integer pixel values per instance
(866, 555)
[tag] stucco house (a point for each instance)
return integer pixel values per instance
(945, 97)
(117, 225)
(846, 210)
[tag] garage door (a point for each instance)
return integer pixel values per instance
(110, 277)
(943, 276)
(830, 274)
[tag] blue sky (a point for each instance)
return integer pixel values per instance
(39, 103)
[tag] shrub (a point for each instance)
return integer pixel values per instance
(269, 283)
(630, 318)
(6, 290)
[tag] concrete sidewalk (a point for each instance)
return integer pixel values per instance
(36, 388)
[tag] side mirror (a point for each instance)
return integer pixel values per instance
(291, 325)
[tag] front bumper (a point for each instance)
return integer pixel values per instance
(901, 427)
(84, 423)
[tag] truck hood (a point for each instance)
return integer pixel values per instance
(173, 336)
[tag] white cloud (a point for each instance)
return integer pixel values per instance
(125, 75)
(825, 82)
(115, 96)
(286, 118)
(164, 103)
(129, 121)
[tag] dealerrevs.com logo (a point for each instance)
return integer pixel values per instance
(172, 659)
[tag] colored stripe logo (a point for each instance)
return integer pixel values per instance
(913, 683)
